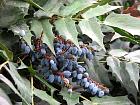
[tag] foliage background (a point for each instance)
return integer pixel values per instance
(115, 38)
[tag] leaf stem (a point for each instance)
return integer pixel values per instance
(32, 89)
(3, 64)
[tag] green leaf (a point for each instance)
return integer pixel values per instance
(4, 99)
(12, 12)
(114, 63)
(99, 10)
(6, 88)
(44, 96)
(9, 83)
(22, 65)
(27, 38)
(44, 25)
(71, 98)
(25, 92)
(51, 88)
(127, 80)
(75, 7)
(34, 4)
(48, 37)
(8, 54)
(67, 28)
(50, 8)
(36, 27)
(125, 22)
(92, 29)
(108, 100)
(102, 72)
(17, 31)
(116, 36)
(119, 44)
(133, 71)
(133, 56)
(128, 74)
(117, 52)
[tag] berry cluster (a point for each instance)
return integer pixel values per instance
(64, 65)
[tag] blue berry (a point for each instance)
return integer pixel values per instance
(27, 50)
(67, 73)
(94, 90)
(51, 78)
(79, 76)
(100, 93)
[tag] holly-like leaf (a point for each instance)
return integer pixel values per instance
(117, 52)
(133, 71)
(119, 44)
(75, 7)
(102, 72)
(36, 27)
(71, 98)
(18, 28)
(50, 8)
(7, 53)
(108, 100)
(116, 36)
(99, 10)
(50, 88)
(44, 96)
(67, 28)
(114, 63)
(4, 99)
(125, 22)
(44, 25)
(12, 11)
(31, 2)
(92, 29)
(48, 37)
(133, 56)
(22, 65)
(9, 83)
(25, 92)
(129, 82)
(127, 73)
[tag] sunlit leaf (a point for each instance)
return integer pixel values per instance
(92, 29)
(125, 22)
(133, 56)
(114, 63)
(67, 29)
(50, 8)
(36, 27)
(17, 31)
(133, 71)
(117, 52)
(99, 10)
(75, 7)
(119, 44)
(22, 65)
(116, 36)
(48, 37)
(44, 25)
